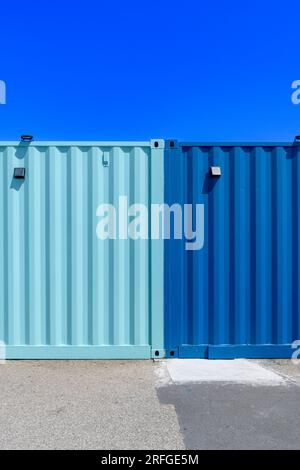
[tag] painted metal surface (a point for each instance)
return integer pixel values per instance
(63, 292)
(239, 295)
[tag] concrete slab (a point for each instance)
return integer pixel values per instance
(240, 371)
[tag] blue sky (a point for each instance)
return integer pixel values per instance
(134, 70)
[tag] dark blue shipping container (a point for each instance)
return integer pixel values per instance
(238, 296)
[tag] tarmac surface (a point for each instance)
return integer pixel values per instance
(84, 405)
(161, 405)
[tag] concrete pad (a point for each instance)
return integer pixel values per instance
(240, 371)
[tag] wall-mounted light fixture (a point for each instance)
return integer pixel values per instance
(19, 173)
(105, 158)
(26, 138)
(215, 171)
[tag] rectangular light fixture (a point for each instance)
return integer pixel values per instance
(215, 171)
(19, 173)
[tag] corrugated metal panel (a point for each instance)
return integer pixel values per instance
(63, 292)
(239, 295)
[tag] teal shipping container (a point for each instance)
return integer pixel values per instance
(65, 293)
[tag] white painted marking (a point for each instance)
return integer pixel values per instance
(231, 371)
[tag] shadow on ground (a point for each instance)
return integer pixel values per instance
(232, 416)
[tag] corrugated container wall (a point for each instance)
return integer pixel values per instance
(238, 296)
(64, 293)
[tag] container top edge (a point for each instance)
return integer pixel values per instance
(238, 144)
(83, 143)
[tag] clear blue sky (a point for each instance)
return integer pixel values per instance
(131, 70)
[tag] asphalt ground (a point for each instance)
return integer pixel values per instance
(148, 405)
(84, 405)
